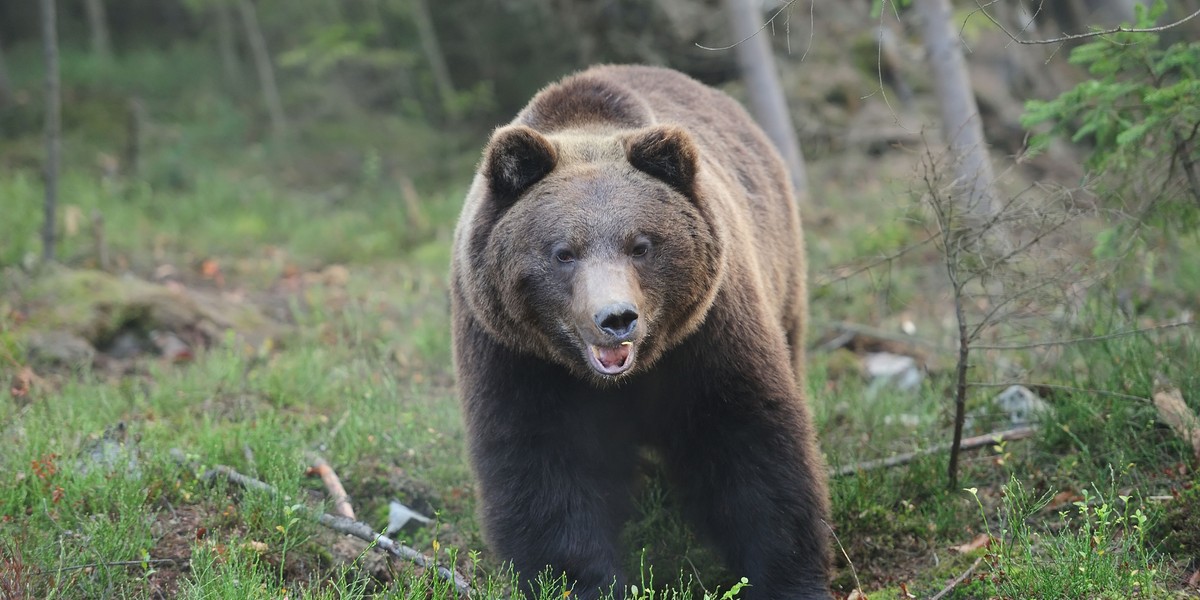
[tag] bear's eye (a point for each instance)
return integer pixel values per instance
(640, 249)
(564, 255)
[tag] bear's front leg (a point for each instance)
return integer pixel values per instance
(555, 498)
(746, 464)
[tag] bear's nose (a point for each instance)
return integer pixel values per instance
(618, 320)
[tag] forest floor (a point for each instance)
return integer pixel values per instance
(255, 305)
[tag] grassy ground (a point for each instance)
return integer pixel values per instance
(313, 302)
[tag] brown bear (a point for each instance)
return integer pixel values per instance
(628, 272)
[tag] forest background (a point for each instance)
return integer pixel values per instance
(224, 239)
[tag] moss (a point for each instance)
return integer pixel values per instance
(97, 306)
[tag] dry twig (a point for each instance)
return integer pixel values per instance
(337, 523)
(971, 443)
(337, 493)
(957, 580)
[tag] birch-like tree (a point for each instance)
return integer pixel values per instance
(53, 125)
(962, 127)
(263, 65)
(763, 89)
(97, 20)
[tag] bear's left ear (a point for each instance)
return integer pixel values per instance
(665, 152)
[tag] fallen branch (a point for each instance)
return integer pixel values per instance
(971, 443)
(121, 563)
(337, 523)
(337, 493)
(957, 580)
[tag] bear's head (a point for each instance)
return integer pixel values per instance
(595, 250)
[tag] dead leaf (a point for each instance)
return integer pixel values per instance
(1064, 497)
(22, 382)
(211, 269)
(981, 541)
(336, 275)
(856, 594)
(1174, 411)
(1194, 580)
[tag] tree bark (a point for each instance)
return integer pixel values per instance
(53, 126)
(433, 55)
(98, 26)
(262, 64)
(962, 127)
(765, 93)
(227, 44)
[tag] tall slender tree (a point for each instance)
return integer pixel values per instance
(264, 67)
(432, 50)
(5, 82)
(226, 43)
(98, 27)
(53, 126)
(962, 127)
(765, 93)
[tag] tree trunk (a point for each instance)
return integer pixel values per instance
(98, 26)
(5, 82)
(53, 126)
(227, 45)
(962, 128)
(764, 90)
(433, 55)
(262, 64)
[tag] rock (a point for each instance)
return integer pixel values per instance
(400, 515)
(59, 348)
(897, 370)
(1020, 404)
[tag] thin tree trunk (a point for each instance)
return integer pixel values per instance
(765, 93)
(134, 127)
(53, 126)
(262, 63)
(962, 127)
(5, 82)
(227, 44)
(98, 26)
(433, 54)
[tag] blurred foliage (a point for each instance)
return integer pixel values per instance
(496, 52)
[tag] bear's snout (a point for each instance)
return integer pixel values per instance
(618, 320)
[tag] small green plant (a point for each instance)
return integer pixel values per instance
(1099, 549)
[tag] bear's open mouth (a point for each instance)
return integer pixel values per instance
(612, 360)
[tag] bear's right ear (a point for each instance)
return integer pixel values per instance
(516, 158)
(667, 153)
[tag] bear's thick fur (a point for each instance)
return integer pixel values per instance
(629, 271)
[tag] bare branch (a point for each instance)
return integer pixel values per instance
(879, 261)
(1053, 386)
(1081, 340)
(760, 29)
(957, 580)
(982, 8)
